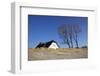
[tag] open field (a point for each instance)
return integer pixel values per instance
(60, 53)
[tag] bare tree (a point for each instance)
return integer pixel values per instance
(76, 31)
(68, 33)
(63, 32)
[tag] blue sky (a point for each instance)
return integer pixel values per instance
(45, 28)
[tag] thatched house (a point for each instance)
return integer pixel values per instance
(50, 44)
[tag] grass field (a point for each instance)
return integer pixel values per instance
(60, 53)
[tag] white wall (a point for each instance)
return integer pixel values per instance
(5, 32)
(53, 45)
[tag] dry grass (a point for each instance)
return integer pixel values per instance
(60, 53)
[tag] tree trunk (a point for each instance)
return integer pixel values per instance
(76, 43)
(68, 43)
(71, 44)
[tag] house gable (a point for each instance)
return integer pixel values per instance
(53, 45)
